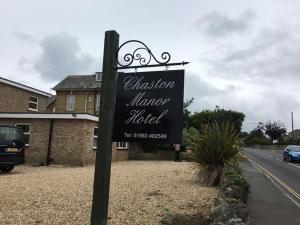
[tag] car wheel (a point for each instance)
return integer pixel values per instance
(290, 159)
(6, 169)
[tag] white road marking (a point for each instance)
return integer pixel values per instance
(265, 155)
(283, 191)
(275, 180)
(294, 165)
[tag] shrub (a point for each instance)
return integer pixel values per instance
(212, 147)
(257, 141)
(233, 178)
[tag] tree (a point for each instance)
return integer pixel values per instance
(186, 112)
(187, 135)
(275, 129)
(256, 136)
(257, 133)
(218, 115)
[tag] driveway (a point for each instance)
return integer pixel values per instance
(141, 193)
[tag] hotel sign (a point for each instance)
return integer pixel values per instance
(149, 107)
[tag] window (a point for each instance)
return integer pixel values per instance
(95, 138)
(71, 102)
(97, 103)
(26, 127)
(33, 103)
(122, 145)
(98, 76)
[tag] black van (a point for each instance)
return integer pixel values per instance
(12, 147)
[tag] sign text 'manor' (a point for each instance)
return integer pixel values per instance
(149, 107)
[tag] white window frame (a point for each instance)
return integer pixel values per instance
(37, 103)
(98, 76)
(119, 145)
(97, 105)
(95, 137)
(73, 103)
(25, 133)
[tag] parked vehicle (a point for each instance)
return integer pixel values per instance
(12, 147)
(291, 153)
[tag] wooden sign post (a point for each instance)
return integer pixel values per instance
(105, 130)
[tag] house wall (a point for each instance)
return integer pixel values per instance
(51, 107)
(121, 155)
(36, 152)
(89, 154)
(14, 99)
(80, 99)
(72, 142)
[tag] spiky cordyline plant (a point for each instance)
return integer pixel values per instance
(211, 148)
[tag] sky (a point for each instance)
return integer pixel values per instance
(244, 55)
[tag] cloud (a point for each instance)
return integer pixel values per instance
(62, 55)
(24, 37)
(216, 24)
(206, 94)
(266, 71)
(194, 84)
(272, 54)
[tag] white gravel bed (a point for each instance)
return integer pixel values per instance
(141, 193)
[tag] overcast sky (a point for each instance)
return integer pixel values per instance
(245, 55)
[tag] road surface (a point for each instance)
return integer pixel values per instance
(277, 200)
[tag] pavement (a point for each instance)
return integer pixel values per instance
(268, 203)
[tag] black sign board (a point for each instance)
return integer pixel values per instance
(149, 107)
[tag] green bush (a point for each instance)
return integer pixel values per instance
(257, 141)
(187, 136)
(211, 148)
(232, 177)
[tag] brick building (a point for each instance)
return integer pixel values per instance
(16, 97)
(59, 129)
(79, 93)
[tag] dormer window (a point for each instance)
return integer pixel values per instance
(33, 103)
(98, 76)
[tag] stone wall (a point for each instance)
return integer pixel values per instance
(36, 152)
(14, 99)
(68, 142)
(72, 142)
(158, 155)
(114, 152)
(136, 152)
(121, 155)
(269, 147)
(89, 154)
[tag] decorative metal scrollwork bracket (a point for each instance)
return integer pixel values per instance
(143, 61)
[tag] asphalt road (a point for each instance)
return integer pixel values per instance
(274, 197)
(285, 174)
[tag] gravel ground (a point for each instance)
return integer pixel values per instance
(141, 193)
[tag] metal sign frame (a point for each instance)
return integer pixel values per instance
(143, 61)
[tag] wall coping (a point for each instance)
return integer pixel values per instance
(73, 116)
